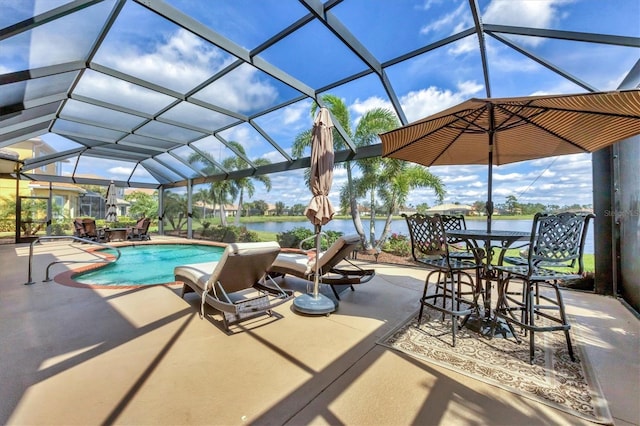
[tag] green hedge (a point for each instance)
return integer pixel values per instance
(293, 237)
(228, 234)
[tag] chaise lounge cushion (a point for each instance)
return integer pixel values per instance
(300, 265)
(235, 285)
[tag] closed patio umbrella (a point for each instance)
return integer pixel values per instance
(506, 130)
(111, 201)
(319, 211)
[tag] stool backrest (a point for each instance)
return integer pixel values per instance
(558, 239)
(428, 236)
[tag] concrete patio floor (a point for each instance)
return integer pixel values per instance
(143, 356)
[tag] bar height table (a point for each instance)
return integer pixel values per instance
(489, 240)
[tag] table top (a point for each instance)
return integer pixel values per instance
(494, 234)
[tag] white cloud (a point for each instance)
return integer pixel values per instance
(510, 177)
(509, 63)
(428, 3)
(465, 45)
(183, 58)
(445, 21)
(273, 156)
(462, 179)
(109, 89)
(295, 113)
(242, 90)
(528, 13)
(237, 133)
(121, 171)
(185, 61)
(359, 107)
(535, 14)
(246, 136)
(422, 103)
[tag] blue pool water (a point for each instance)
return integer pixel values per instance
(149, 264)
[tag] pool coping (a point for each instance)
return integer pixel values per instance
(67, 278)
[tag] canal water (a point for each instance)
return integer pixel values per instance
(399, 226)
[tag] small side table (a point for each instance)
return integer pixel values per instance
(116, 234)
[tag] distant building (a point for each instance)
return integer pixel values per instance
(64, 195)
(454, 209)
(208, 210)
(407, 210)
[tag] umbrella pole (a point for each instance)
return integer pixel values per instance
(315, 303)
(492, 132)
(316, 278)
(489, 206)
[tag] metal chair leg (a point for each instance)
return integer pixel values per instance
(565, 323)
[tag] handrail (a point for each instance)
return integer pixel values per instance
(314, 236)
(62, 237)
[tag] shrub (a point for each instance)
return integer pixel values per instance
(293, 238)
(398, 244)
(61, 227)
(224, 234)
(248, 236)
(229, 234)
(332, 236)
(122, 222)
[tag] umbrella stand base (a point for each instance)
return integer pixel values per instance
(483, 325)
(314, 305)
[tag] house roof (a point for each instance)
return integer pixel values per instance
(9, 161)
(449, 207)
(58, 185)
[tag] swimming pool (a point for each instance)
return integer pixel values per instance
(148, 264)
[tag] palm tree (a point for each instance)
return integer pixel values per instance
(175, 210)
(390, 180)
(218, 191)
(367, 183)
(239, 186)
(142, 204)
(397, 179)
(372, 123)
(202, 196)
(224, 191)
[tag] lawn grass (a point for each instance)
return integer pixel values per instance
(267, 235)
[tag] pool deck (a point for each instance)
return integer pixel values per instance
(144, 356)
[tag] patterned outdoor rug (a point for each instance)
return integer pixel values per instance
(553, 379)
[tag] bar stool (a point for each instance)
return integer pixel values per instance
(430, 249)
(556, 240)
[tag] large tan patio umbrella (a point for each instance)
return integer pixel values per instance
(319, 211)
(506, 130)
(111, 202)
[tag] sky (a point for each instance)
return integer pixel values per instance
(150, 48)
